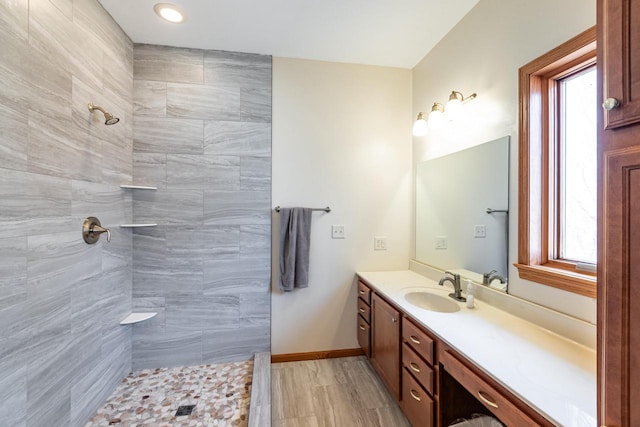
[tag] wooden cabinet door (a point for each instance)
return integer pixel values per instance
(619, 214)
(385, 348)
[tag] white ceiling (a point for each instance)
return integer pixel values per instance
(396, 33)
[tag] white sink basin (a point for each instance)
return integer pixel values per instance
(432, 302)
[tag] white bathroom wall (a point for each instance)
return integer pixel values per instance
(341, 137)
(482, 54)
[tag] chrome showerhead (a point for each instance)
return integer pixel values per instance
(109, 118)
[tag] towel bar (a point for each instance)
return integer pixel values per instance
(327, 209)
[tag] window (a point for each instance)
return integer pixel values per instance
(557, 167)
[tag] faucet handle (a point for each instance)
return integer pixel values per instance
(490, 273)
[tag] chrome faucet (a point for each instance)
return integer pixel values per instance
(455, 281)
(489, 277)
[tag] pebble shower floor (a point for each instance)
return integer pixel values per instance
(221, 394)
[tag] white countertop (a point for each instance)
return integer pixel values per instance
(554, 375)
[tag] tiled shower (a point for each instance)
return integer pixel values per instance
(196, 124)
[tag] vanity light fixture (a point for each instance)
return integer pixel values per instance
(170, 13)
(451, 111)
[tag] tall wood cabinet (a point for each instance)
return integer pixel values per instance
(619, 213)
(385, 346)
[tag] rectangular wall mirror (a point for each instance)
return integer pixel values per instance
(462, 219)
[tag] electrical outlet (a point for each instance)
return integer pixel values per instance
(441, 242)
(380, 243)
(337, 231)
(480, 231)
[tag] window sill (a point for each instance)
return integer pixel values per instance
(583, 284)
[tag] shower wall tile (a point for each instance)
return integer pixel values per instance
(246, 342)
(255, 104)
(33, 204)
(206, 265)
(150, 98)
(168, 349)
(237, 69)
(202, 172)
(14, 19)
(150, 169)
(168, 64)
(194, 101)
(255, 173)
(167, 135)
(61, 300)
(237, 138)
(168, 207)
(237, 208)
(13, 271)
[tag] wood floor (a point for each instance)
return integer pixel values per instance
(343, 392)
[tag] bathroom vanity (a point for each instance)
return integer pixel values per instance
(443, 361)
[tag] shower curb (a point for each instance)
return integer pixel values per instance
(260, 404)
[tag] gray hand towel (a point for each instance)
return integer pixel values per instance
(295, 239)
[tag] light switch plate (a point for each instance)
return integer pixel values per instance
(480, 231)
(337, 231)
(441, 242)
(380, 243)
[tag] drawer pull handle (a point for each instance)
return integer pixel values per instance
(487, 400)
(362, 328)
(361, 292)
(414, 367)
(394, 319)
(415, 395)
(414, 339)
(361, 310)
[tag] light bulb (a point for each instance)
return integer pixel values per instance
(453, 109)
(420, 127)
(436, 118)
(169, 12)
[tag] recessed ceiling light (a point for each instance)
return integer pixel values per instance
(170, 12)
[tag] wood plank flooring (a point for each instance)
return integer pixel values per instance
(342, 392)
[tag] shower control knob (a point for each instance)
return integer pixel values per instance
(610, 104)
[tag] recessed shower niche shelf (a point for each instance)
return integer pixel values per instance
(138, 187)
(137, 317)
(137, 225)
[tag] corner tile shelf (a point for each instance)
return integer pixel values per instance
(138, 187)
(137, 317)
(137, 225)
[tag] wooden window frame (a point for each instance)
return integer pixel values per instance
(537, 133)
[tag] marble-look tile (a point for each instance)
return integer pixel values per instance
(240, 344)
(91, 198)
(118, 76)
(203, 243)
(289, 398)
(255, 241)
(236, 276)
(64, 6)
(297, 422)
(237, 138)
(202, 172)
(168, 64)
(56, 261)
(115, 295)
(237, 208)
(85, 303)
(255, 104)
(150, 169)
(117, 162)
(14, 137)
(255, 173)
(166, 350)
(260, 408)
(13, 271)
(55, 37)
(211, 313)
(237, 69)
(255, 309)
(169, 207)
(14, 19)
(155, 325)
(167, 135)
(13, 390)
(33, 204)
(149, 98)
(194, 102)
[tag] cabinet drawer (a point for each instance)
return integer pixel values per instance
(364, 292)
(416, 403)
(364, 336)
(418, 340)
(418, 368)
(494, 401)
(364, 310)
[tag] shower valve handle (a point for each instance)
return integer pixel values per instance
(91, 230)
